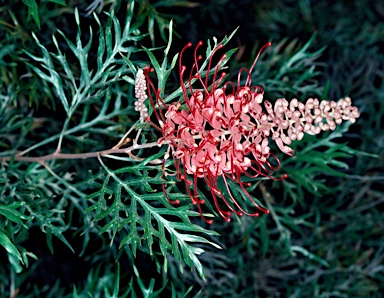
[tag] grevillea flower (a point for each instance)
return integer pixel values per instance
(222, 133)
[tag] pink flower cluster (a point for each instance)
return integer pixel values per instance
(223, 132)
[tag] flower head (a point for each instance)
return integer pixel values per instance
(222, 133)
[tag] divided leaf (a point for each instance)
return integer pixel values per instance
(128, 211)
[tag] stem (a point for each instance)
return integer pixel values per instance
(58, 155)
(115, 150)
(121, 142)
(65, 127)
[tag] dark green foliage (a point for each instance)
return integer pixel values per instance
(99, 225)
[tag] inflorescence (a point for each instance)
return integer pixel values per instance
(223, 132)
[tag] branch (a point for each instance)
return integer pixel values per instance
(58, 155)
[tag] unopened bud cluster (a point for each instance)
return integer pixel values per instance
(290, 120)
(141, 95)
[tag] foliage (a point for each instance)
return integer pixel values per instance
(82, 209)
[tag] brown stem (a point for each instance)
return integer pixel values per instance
(58, 155)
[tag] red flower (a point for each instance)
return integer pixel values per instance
(222, 132)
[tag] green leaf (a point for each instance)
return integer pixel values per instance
(145, 219)
(9, 246)
(57, 231)
(309, 255)
(12, 214)
(90, 85)
(54, 78)
(81, 53)
(33, 10)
